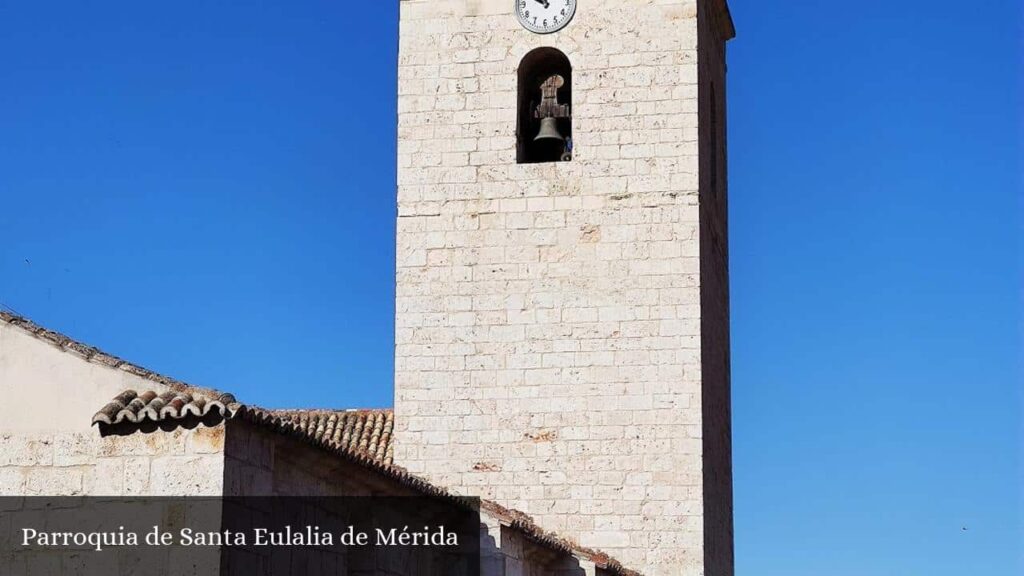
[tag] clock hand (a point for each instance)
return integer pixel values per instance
(544, 2)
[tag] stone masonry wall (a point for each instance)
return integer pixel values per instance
(69, 463)
(177, 463)
(548, 338)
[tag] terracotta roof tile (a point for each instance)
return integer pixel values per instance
(129, 406)
(361, 431)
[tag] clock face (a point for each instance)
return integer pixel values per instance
(545, 16)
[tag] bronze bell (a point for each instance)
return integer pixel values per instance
(549, 130)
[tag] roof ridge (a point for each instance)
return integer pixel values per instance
(329, 410)
(95, 355)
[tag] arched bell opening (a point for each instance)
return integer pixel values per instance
(544, 127)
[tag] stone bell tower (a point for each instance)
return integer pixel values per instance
(562, 338)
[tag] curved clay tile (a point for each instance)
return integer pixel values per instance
(150, 406)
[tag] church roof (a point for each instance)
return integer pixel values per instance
(133, 408)
(367, 432)
(362, 431)
(360, 436)
(363, 437)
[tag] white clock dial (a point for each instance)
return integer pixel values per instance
(545, 16)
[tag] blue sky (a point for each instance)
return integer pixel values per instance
(202, 188)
